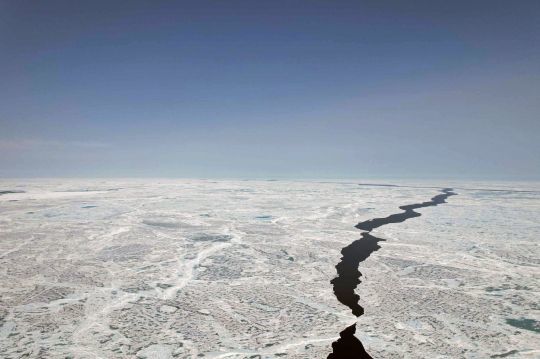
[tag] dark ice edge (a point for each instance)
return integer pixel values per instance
(348, 346)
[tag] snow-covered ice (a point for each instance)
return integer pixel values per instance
(242, 269)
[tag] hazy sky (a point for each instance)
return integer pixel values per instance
(319, 89)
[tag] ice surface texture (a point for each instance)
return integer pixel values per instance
(241, 269)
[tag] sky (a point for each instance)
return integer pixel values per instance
(270, 89)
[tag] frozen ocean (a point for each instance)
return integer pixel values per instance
(242, 269)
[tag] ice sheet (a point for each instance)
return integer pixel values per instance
(240, 269)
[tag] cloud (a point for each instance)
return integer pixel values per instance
(38, 144)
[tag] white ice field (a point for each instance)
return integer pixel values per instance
(242, 269)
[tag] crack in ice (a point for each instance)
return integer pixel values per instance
(348, 276)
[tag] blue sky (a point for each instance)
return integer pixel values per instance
(280, 89)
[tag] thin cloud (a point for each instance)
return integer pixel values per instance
(37, 144)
